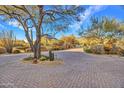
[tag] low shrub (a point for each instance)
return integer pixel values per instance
(101, 49)
(28, 50)
(98, 49)
(16, 51)
(2, 50)
(57, 48)
(120, 52)
(113, 50)
(44, 58)
(28, 58)
(108, 48)
(43, 48)
(87, 50)
(120, 45)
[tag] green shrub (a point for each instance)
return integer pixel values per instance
(87, 50)
(44, 58)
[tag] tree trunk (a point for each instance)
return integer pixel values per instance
(37, 51)
(37, 46)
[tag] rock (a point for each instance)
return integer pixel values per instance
(35, 61)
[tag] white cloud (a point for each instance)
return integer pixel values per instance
(2, 26)
(87, 13)
(15, 24)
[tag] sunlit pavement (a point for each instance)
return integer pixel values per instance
(79, 70)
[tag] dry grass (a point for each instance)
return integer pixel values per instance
(55, 62)
(30, 60)
(47, 63)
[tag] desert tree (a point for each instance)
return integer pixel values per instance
(110, 26)
(38, 17)
(102, 27)
(93, 29)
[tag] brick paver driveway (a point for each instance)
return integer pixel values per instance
(79, 70)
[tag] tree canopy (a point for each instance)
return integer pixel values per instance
(42, 19)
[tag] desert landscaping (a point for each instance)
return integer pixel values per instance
(50, 46)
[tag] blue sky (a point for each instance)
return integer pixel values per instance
(99, 11)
